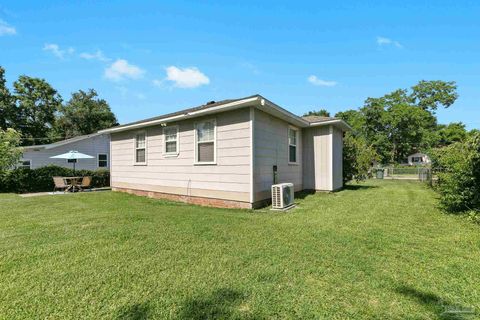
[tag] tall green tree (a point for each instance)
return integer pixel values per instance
(6, 102)
(84, 113)
(320, 113)
(451, 133)
(403, 121)
(9, 151)
(36, 105)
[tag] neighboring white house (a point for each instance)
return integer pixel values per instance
(226, 153)
(96, 145)
(418, 159)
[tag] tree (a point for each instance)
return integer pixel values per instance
(36, 105)
(358, 157)
(320, 113)
(458, 167)
(9, 151)
(6, 102)
(450, 133)
(430, 95)
(402, 122)
(83, 114)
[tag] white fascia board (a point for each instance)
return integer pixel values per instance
(224, 107)
(340, 123)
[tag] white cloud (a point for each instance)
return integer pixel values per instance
(56, 51)
(157, 83)
(319, 82)
(382, 41)
(121, 69)
(187, 77)
(6, 29)
(98, 55)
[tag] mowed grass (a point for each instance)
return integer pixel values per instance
(378, 250)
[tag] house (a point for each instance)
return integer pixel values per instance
(96, 145)
(418, 159)
(226, 153)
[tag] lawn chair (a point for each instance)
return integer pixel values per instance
(86, 183)
(59, 184)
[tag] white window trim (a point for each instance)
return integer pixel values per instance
(296, 145)
(98, 159)
(135, 148)
(22, 160)
(214, 162)
(171, 154)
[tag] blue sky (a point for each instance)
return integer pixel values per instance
(150, 58)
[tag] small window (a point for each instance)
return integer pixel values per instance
(205, 142)
(170, 135)
(292, 145)
(102, 160)
(140, 148)
(27, 164)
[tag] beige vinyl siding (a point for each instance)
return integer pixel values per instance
(337, 155)
(228, 179)
(91, 146)
(323, 160)
(271, 148)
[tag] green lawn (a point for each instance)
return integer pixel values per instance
(376, 250)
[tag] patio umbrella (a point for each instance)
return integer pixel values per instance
(72, 155)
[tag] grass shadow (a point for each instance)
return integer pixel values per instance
(221, 304)
(138, 311)
(358, 187)
(443, 308)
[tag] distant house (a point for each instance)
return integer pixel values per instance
(227, 153)
(418, 159)
(96, 145)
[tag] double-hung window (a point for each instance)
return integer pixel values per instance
(292, 145)
(170, 135)
(140, 148)
(102, 160)
(205, 144)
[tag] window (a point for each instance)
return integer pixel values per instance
(140, 148)
(27, 164)
(102, 160)
(205, 134)
(292, 145)
(170, 135)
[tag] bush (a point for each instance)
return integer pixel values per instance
(23, 180)
(458, 167)
(358, 157)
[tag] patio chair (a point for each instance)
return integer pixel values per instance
(59, 184)
(86, 183)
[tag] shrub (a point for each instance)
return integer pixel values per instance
(358, 157)
(459, 175)
(23, 180)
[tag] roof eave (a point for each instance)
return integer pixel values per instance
(221, 108)
(337, 122)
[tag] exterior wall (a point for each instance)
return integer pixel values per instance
(337, 154)
(91, 146)
(228, 179)
(318, 158)
(271, 148)
(323, 158)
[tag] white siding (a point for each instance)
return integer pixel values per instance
(91, 146)
(229, 179)
(271, 148)
(323, 158)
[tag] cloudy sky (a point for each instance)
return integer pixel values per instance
(151, 58)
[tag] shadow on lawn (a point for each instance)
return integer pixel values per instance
(358, 187)
(220, 304)
(136, 311)
(444, 309)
